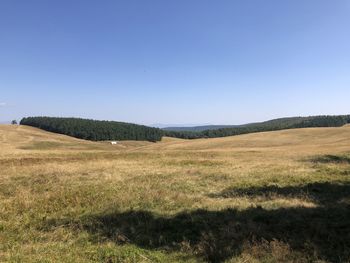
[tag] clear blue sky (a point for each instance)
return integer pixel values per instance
(183, 61)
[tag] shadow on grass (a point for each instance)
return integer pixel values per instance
(319, 233)
(331, 159)
(320, 193)
(215, 236)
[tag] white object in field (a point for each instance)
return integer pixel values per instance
(114, 143)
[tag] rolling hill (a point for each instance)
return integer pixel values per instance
(281, 196)
(21, 139)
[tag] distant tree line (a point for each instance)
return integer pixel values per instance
(95, 130)
(272, 125)
(199, 128)
(112, 130)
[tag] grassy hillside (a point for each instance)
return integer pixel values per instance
(280, 196)
(18, 139)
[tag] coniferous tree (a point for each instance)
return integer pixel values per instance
(95, 130)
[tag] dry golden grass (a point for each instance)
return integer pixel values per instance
(271, 197)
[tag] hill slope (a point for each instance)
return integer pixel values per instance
(306, 138)
(302, 141)
(22, 138)
(231, 199)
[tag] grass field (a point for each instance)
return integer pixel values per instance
(268, 197)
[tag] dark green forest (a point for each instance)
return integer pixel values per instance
(272, 125)
(95, 130)
(111, 130)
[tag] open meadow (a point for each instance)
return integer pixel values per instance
(280, 196)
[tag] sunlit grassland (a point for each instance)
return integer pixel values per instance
(272, 197)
